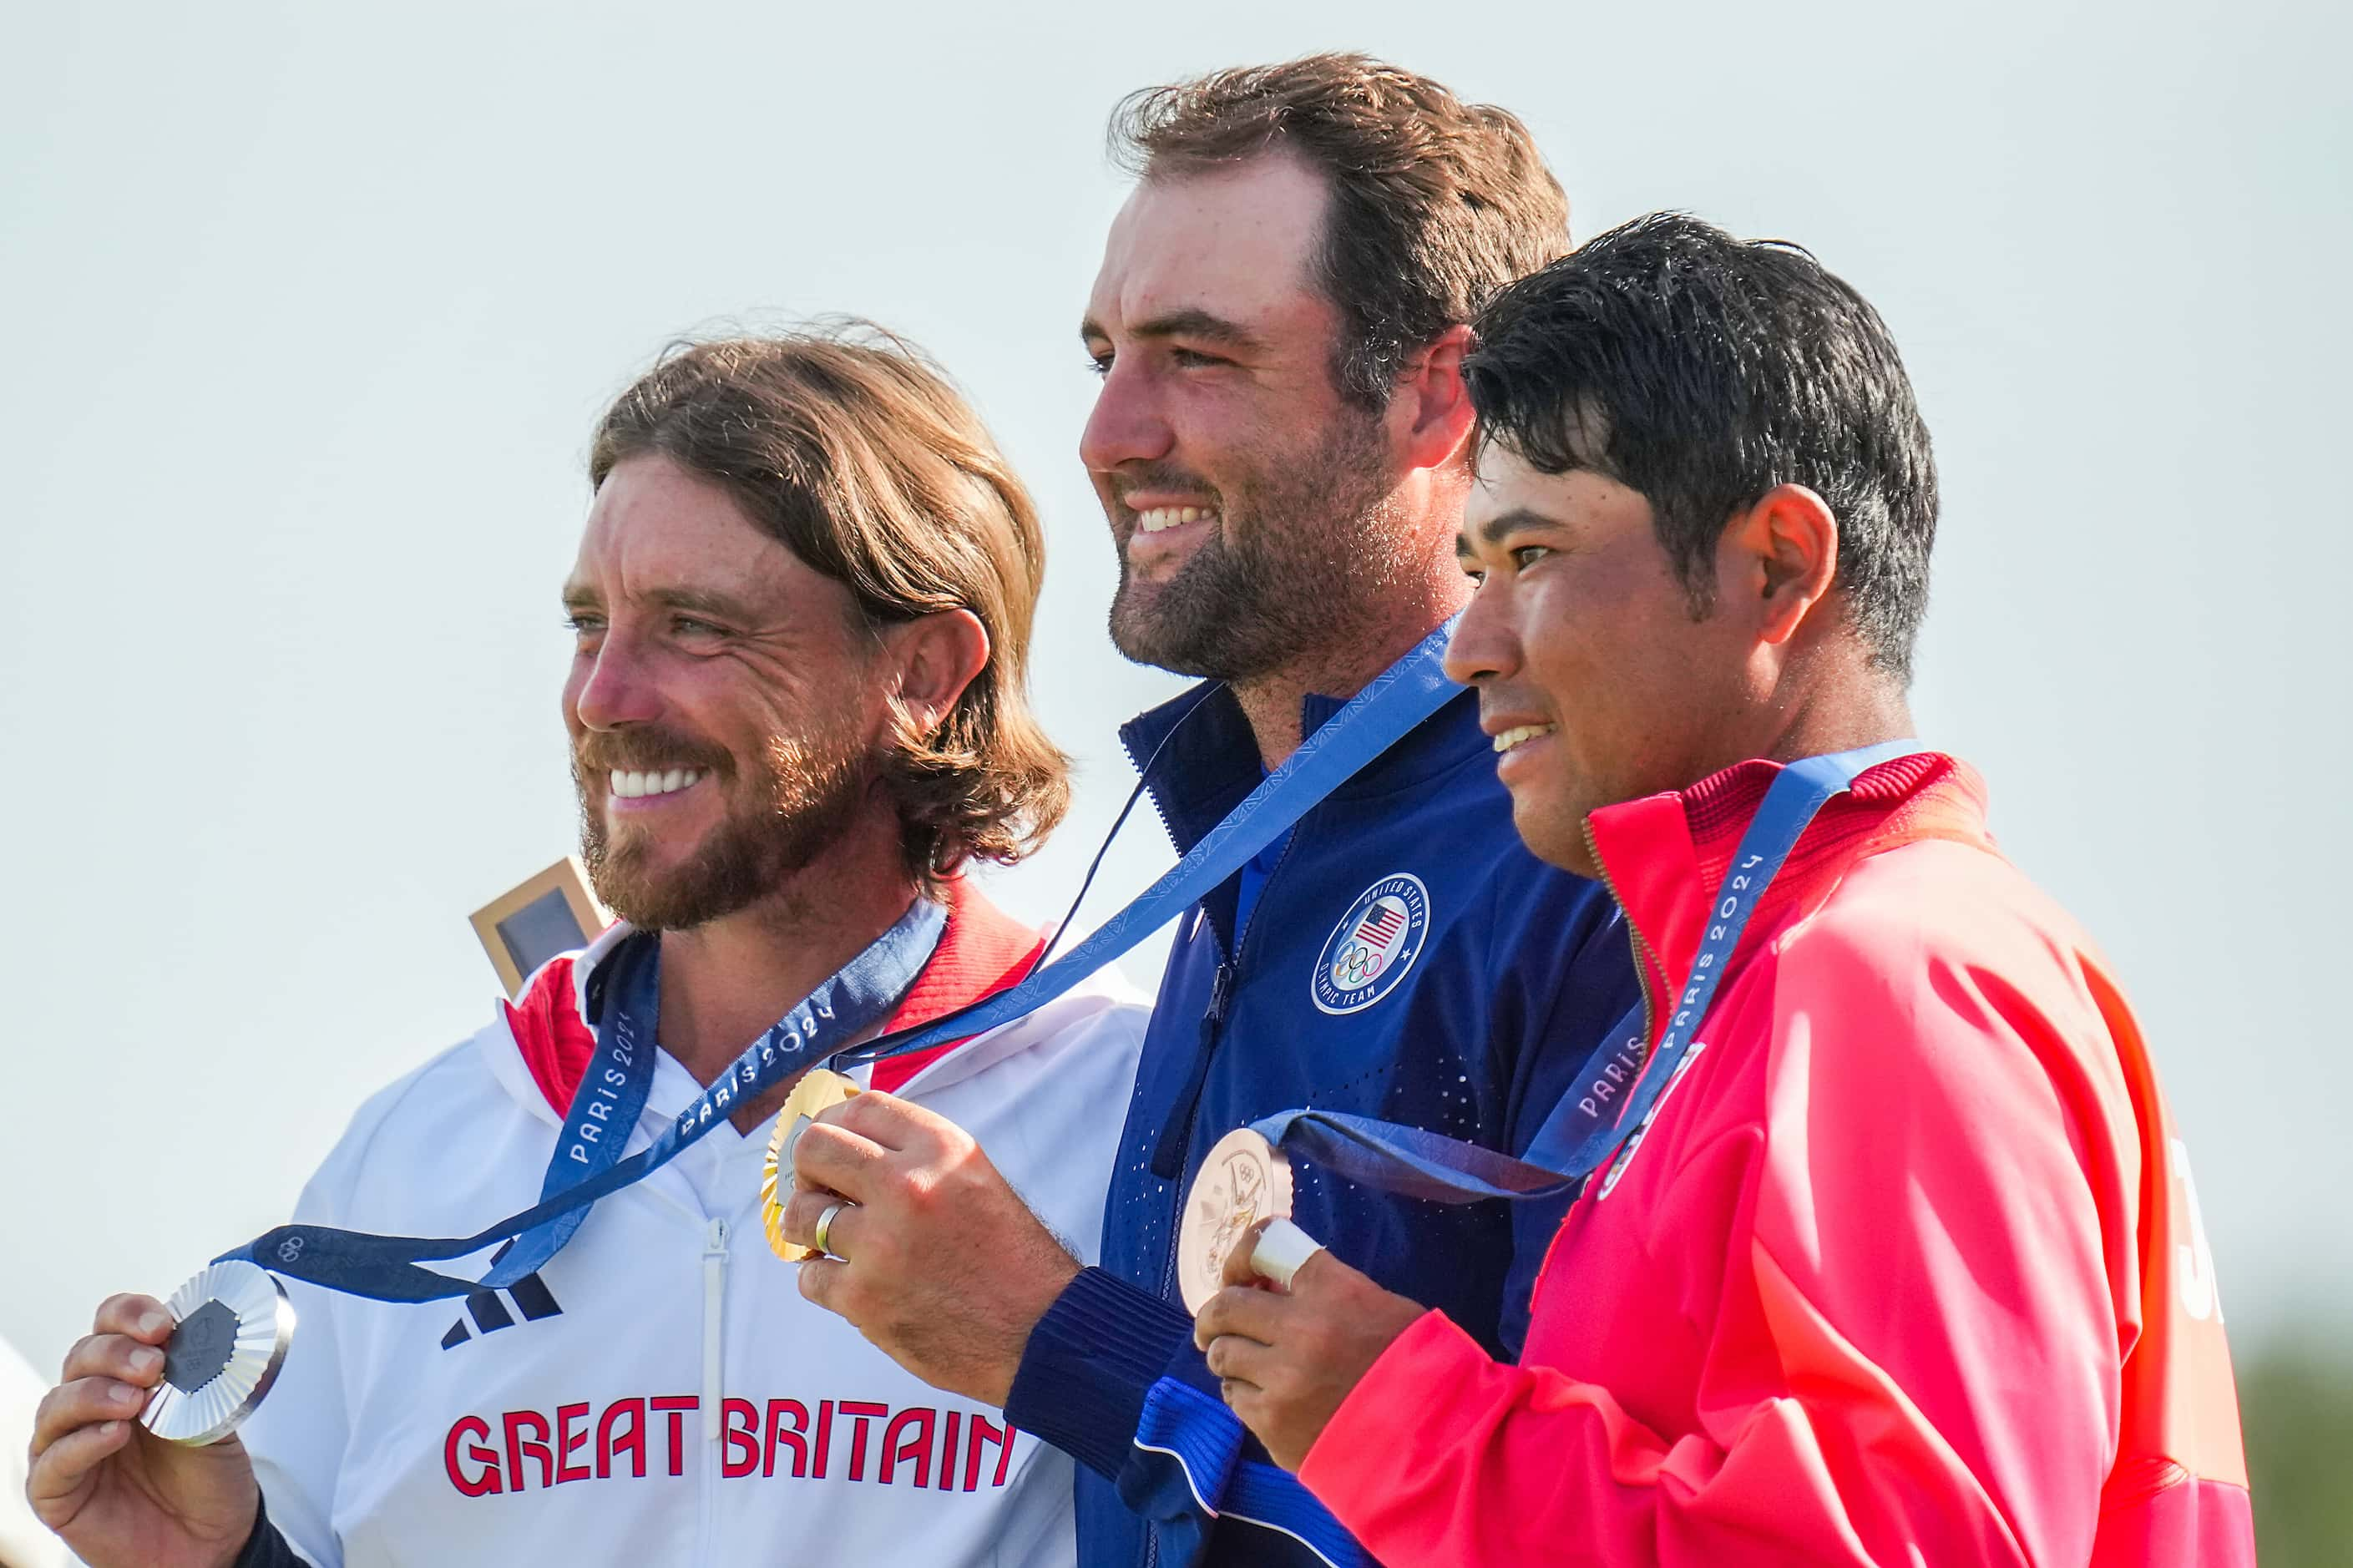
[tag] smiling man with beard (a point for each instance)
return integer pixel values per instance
(1280, 447)
(802, 608)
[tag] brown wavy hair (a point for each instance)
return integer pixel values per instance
(850, 447)
(1436, 203)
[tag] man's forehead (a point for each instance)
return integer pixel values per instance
(1231, 243)
(1506, 486)
(1500, 480)
(658, 532)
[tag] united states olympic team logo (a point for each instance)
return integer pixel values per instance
(1370, 950)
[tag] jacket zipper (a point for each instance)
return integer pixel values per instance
(715, 1294)
(1643, 958)
(1221, 991)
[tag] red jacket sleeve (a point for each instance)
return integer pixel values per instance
(1900, 1240)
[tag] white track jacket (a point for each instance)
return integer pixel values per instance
(659, 1392)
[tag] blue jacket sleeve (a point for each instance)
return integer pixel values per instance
(1110, 1377)
(1089, 1363)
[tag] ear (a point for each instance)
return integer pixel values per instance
(1431, 406)
(936, 655)
(1779, 560)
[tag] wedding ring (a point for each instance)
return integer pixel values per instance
(1282, 1248)
(819, 1237)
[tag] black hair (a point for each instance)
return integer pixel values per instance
(1700, 371)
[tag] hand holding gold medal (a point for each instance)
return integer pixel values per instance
(821, 1089)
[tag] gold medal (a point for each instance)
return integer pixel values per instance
(1245, 1180)
(819, 1089)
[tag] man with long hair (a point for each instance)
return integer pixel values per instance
(801, 615)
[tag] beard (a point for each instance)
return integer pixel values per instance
(803, 795)
(1303, 551)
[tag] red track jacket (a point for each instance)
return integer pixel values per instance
(1908, 1269)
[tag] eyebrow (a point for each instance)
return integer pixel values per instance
(1492, 532)
(703, 601)
(1190, 322)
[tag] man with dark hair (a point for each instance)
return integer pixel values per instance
(1892, 1254)
(1279, 444)
(797, 709)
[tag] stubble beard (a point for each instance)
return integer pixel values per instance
(808, 793)
(1303, 553)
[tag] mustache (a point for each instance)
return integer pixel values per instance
(638, 749)
(1159, 476)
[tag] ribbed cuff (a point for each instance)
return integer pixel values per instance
(1090, 1362)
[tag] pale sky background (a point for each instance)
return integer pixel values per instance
(306, 314)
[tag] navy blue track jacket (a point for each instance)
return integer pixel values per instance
(1406, 958)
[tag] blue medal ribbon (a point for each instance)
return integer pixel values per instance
(818, 1031)
(1586, 1128)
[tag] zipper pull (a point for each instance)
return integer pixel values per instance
(715, 1294)
(1168, 1151)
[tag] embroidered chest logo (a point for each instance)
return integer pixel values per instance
(1373, 946)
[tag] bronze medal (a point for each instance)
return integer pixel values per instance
(1245, 1180)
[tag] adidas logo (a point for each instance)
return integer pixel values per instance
(529, 1294)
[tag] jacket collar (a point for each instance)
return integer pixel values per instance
(1664, 856)
(981, 951)
(1207, 758)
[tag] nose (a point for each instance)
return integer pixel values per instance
(1484, 646)
(610, 686)
(1127, 424)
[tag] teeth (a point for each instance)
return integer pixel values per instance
(633, 783)
(1165, 517)
(1520, 734)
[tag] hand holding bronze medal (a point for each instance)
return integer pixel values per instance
(1591, 1134)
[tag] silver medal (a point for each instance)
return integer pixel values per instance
(234, 1323)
